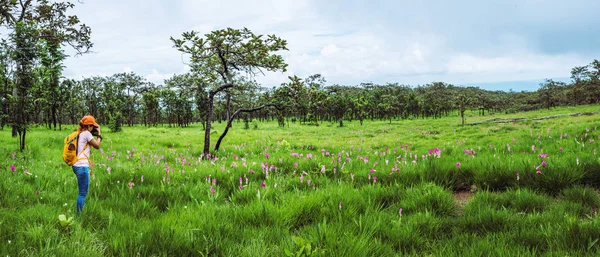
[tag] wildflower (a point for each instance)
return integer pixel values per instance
(212, 190)
(142, 178)
(12, 167)
(308, 182)
(267, 155)
(108, 170)
(251, 171)
(309, 156)
(262, 184)
(374, 179)
(517, 176)
(301, 178)
(533, 148)
(400, 211)
(14, 154)
(544, 163)
(458, 164)
(214, 181)
(241, 181)
(539, 172)
(323, 169)
(371, 170)
(561, 149)
(26, 172)
(130, 185)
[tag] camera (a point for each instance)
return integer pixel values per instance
(95, 131)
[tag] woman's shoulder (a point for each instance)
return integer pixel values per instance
(85, 134)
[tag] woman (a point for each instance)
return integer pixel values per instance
(82, 167)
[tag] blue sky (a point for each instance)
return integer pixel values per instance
(497, 45)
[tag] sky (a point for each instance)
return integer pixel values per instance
(493, 44)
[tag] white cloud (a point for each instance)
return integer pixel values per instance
(347, 42)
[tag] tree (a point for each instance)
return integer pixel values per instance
(223, 54)
(463, 101)
(548, 93)
(29, 22)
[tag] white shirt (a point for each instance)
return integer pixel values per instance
(84, 138)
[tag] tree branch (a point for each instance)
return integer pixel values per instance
(221, 88)
(235, 114)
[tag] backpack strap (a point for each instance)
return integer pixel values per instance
(83, 150)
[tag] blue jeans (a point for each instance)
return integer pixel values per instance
(83, 182)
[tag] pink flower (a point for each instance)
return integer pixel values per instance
(168, 180)
(400, 211)
(267, 155)
(374, 179)
(14, 154)
(533, 148)
(458, 164)
(142, 178)
(26, 172)
(262, 184)
(295, 165)
(544, 163)
(517, 176)
(323, 169)
(539, 172)
(561, 149)
(309, 156)
(301, 178)
(130, 185)
(308, 182)
(12, 167)
(251, 171)
(371, 170)
(108, 170)
(212, 190)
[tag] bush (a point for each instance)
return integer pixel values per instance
(586, 196)
(428, 198)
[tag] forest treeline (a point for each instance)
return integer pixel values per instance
(128, 99)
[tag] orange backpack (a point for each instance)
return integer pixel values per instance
(70, 155)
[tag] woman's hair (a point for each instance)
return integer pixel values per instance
(82, 127)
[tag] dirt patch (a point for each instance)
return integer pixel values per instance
(461, 199)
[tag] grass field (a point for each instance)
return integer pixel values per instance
(416, 188)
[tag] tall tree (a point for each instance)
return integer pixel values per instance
(30, 21)
(222, 54)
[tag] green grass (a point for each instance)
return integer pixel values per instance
(360, 178)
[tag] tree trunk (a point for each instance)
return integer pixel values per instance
(209, 116)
